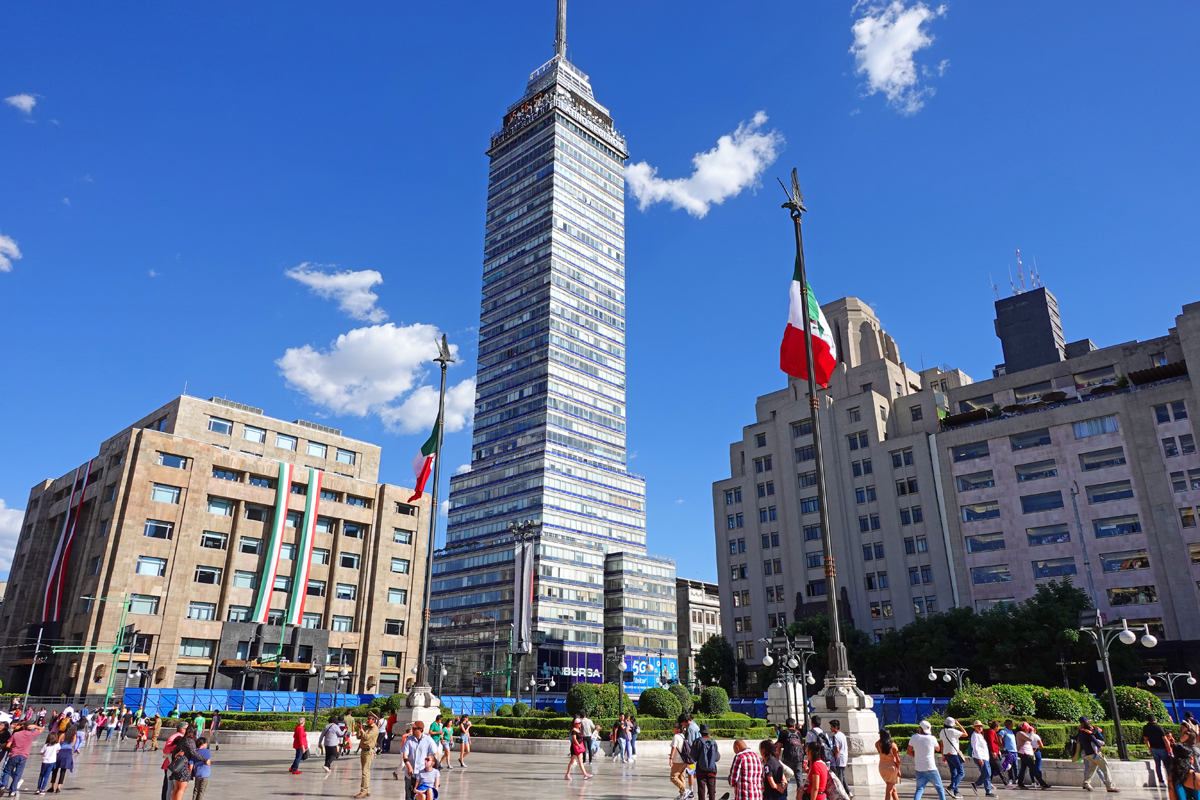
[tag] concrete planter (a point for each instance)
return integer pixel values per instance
(1058, 772)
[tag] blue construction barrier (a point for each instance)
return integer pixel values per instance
(163, 701)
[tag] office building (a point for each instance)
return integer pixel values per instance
(216, 524)
(699, 616)
(1030, 330)
(549, 431)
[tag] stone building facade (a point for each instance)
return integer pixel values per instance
(699, 613)
(199, 516)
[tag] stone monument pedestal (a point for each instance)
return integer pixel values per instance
(421, 705)
(785, 700)
(842, 700)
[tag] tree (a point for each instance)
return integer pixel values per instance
(715, 663)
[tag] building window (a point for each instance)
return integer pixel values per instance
(283, 583)
(1108, 492)
(922, 544)
(1163, 413)
(886, 607)
(165, 494)
(209, 575)
(997, 573)
(914, 576)
(220, 426)
(349, 560)
(214, 540)
(917, 514)
(1117, 526)
(401, 536)
(316, 449)
(333, 497)
(287, 551)
(1024, 441)
(245, 580)
(905, 517)
(285, 442)
(975, 512)
(320, 555)
(1096, 426)
(262, 481)
(926, 574)
(346, 591)
(361, 502)
(858, 441)
(969, 452)
(1132, 596)
(802, 428)
(311, 621)
(1124, 561)
(813, 560)
(860, 496)
(855, 469)
(1178, 482)
(300, 489)
(1054, 568)
(808, 505)
(393, 627)
(324, 525)
(762, 464)
(159, 529)
(805, 453)
(1170, 449)
(1187, 444)
(868, 552)
(196, 648)
(1047, 501)
(816, 588)
(918, 605)
(874, 522)
(143, 604)
(985, 542)
(315, 588)
(220, 506)
(729, 521)
(910, 546)
(1036, 471)
(250, 545)
(915, 411)
(400, 565)
(1102, 459)
(760, 439)
(353, 530)
(812, 532)
(1048, 534)
(275, 616)
(239, 614)
(400, 596)
(168, 460)
(293, 518)
(854, 414)
(866, 466)
(202, 611)
(257, 513)
(976, 480)
(342, 624)
(1187, 518)
(103, 531)
(863, 525)
(154, 567)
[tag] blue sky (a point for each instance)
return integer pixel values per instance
(164, 165)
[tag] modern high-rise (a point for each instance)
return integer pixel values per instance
(236, 542)
(549, 437)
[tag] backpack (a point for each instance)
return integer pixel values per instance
(826, 746)
(705, 755)
(834, 789)
(793, 747)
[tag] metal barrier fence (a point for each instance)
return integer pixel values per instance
(164, 701)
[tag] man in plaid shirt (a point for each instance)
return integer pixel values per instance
(746, 773)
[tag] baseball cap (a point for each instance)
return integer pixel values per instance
(1084, 720)
(418, 726)
(925, 726)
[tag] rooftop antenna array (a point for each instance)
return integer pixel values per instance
(1037, 279)
(995, 289)
(1021, 271)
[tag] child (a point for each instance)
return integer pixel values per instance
(49, 759)
(201, 768)
(142, 735)
(428, 781)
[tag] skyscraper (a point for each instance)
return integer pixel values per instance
(549, 438)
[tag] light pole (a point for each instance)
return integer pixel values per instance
(1170, 678)
(617, 659)
(535, 683)
(794, 654)
(948, 674)
(1092, 623)
(112, 673)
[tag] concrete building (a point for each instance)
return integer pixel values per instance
(1030, 331)
(878, 420)
(219, 524)
(699, 616)
(549, 429)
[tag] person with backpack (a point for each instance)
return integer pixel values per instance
(790, 746)
(923, 748)
(816, 734)
(705, 756)
(678, 760)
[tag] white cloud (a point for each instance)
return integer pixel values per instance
(352, 290)
(9, 252)
(376, 370)
(885, 39)
(153, 274)
(66, 201)
(736, 163)
(10, 527)
(462, 469)
(679, 502)
(445, 508)
(22, 102)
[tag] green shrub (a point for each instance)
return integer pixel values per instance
(1015, 701)
(520, 709)
(597, 700)
(504, 711)
(686, 703)
(901, 729)
(974, 702)
(1092, 708)
(714, 700)
(1136, 704)
(1054, 736)
(659, 703)
(1060, 704)
(387, 705)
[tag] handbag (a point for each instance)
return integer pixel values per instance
(304, 755)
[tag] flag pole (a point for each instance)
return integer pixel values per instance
(444, 359)
(839, 667)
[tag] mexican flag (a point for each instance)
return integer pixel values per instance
(423, 462)
(791, 351)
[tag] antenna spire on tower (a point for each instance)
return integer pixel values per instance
(995, 289)
(1020, 271)
(560, 30)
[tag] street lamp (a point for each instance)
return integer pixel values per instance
(535, 683)
(1170, 678)
(1092, 623)
(794, 655)
(948, 674)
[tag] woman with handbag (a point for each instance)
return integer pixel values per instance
(179, 768)
(577, 746)
(300, 745)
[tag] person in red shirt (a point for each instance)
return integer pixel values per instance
(300, 744)
(387, 740)
(992, 734)
(20, 743)
(167, 748)
(818, 773)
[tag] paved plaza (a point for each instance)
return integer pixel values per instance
(242, 772)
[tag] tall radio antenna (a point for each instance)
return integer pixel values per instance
(1020, 271)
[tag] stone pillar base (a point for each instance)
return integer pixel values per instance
(842, 700)
(422, 705)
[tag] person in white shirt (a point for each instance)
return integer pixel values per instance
(948, 737)
(982, 756)
(923, 748)
(678, 763)
(589, 733)
(840, 751)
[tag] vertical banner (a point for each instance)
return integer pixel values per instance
(308, 532)
(283, 488)
(523, 597)
(52, 606)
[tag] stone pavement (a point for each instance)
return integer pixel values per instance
(241, 772)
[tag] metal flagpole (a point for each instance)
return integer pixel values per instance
(444, 358)
(838, 663)
(32, 666)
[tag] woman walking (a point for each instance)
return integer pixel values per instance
(576, 751)
(300, 745)
(64, 763)
(889, 764)
(331, 740)
(447, 742)
(1185, 783)
(464, 749)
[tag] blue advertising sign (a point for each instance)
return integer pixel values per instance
(570, 667)
(647, 670)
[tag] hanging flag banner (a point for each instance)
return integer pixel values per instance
(283, 487)
(423, 462)
(792, 359)
(52, 606)
(308, 530)
(523, 597)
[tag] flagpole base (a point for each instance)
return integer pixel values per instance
(421, 705)
(841, 699)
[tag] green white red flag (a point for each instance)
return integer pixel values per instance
(423, 463)
(791, 352)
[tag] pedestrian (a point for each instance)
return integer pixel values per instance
(447, 741)
(817, 734)
(994, 744)
(168, 748)
(981, 754)
(634, 730)
(1037, 746)
(331, 740)
(198, 724)
(1008, 742)
(691, 732)
(428, 781)
(416, 749)
(889, 764)
(620, 742)
(143, 734)
(214, 729)
(19, 745)
(1155, 739)
(922, 747)
(1025, 754)
(589, 735)
(126, 723)
(949, 737)
(155, 730)
(577, 749)
(109, 726)
(464, 748)
(677, 760)
(6, 733)
(790, 746)
(49, 759)
(179, 768)
(705, 756)
(387, 733)
(1185, 783)
(300, 745)
(840, 752)
(746, 773)
(348, 721)
(41, 716)
(64, 762)
(774, 779)
(201, 768)
(368, 737)
(1091, 744)
(818, 771)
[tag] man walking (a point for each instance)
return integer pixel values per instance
(923, 747)
(840, 746)
(691, 732)
(981, 754)
(155, 731)
(951, 751)
(746, 773)
(414, 750)
(705, 756)
(1156, 739)
(1091, 742)
(368, 737)
(791, 746)
(19, 746)
(588, 729)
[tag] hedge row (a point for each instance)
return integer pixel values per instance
(486, 730)
(731, 721)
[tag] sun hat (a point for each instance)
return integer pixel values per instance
(925, 726)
